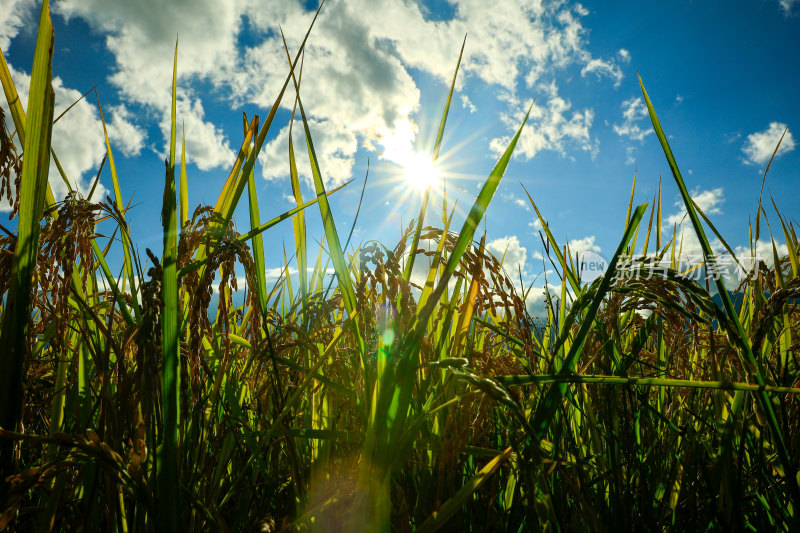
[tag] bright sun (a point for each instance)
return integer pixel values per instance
(419, 171)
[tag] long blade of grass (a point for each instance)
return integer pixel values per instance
(112, 284)
(331, 235)
(299, 220)
(33, 189)
(168, 475)
(127, 245)
(258, 244)
(573, 280)
(543, 379)
(184, 220)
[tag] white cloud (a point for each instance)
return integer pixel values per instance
(123, 133)
(624, 55)
(77, 137)
(760, 145)
(356, 75)
(515, 254)
(536, 301)
(689, 245)
(586, 244)
(272, 275)
(534, 38)
(630, 155)
(333, 146)
(206, 144)
(275, 273)
(422, 263)
(16, 15)
(787, 5)
(709, 201)
(603, 68)
(633, 111)
(763, 252)
(692, 254)
(632, 127)
(466, 103)
(691, 258)
(141, 36)
(550, 127)
(516, 200)
(104, 285)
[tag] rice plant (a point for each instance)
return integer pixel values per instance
(153, 399)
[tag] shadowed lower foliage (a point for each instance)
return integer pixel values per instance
(387, 401)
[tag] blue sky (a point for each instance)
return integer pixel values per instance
(722, 75)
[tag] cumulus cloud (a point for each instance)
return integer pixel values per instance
(277, 272)
(762, 251)
(760, 145)
(123, 133)
(633, 111)
(515, 38)
(78, 136)
(515, 254)
(333, 146)
(516, 200)
(16, 15)
(536, 301)
(361, 52)
(552, 127)
(586, 244)
(141, 36)
(709, 201)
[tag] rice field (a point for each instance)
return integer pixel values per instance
(155, 399)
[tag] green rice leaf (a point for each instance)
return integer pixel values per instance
(32, 199)
(168, 475)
